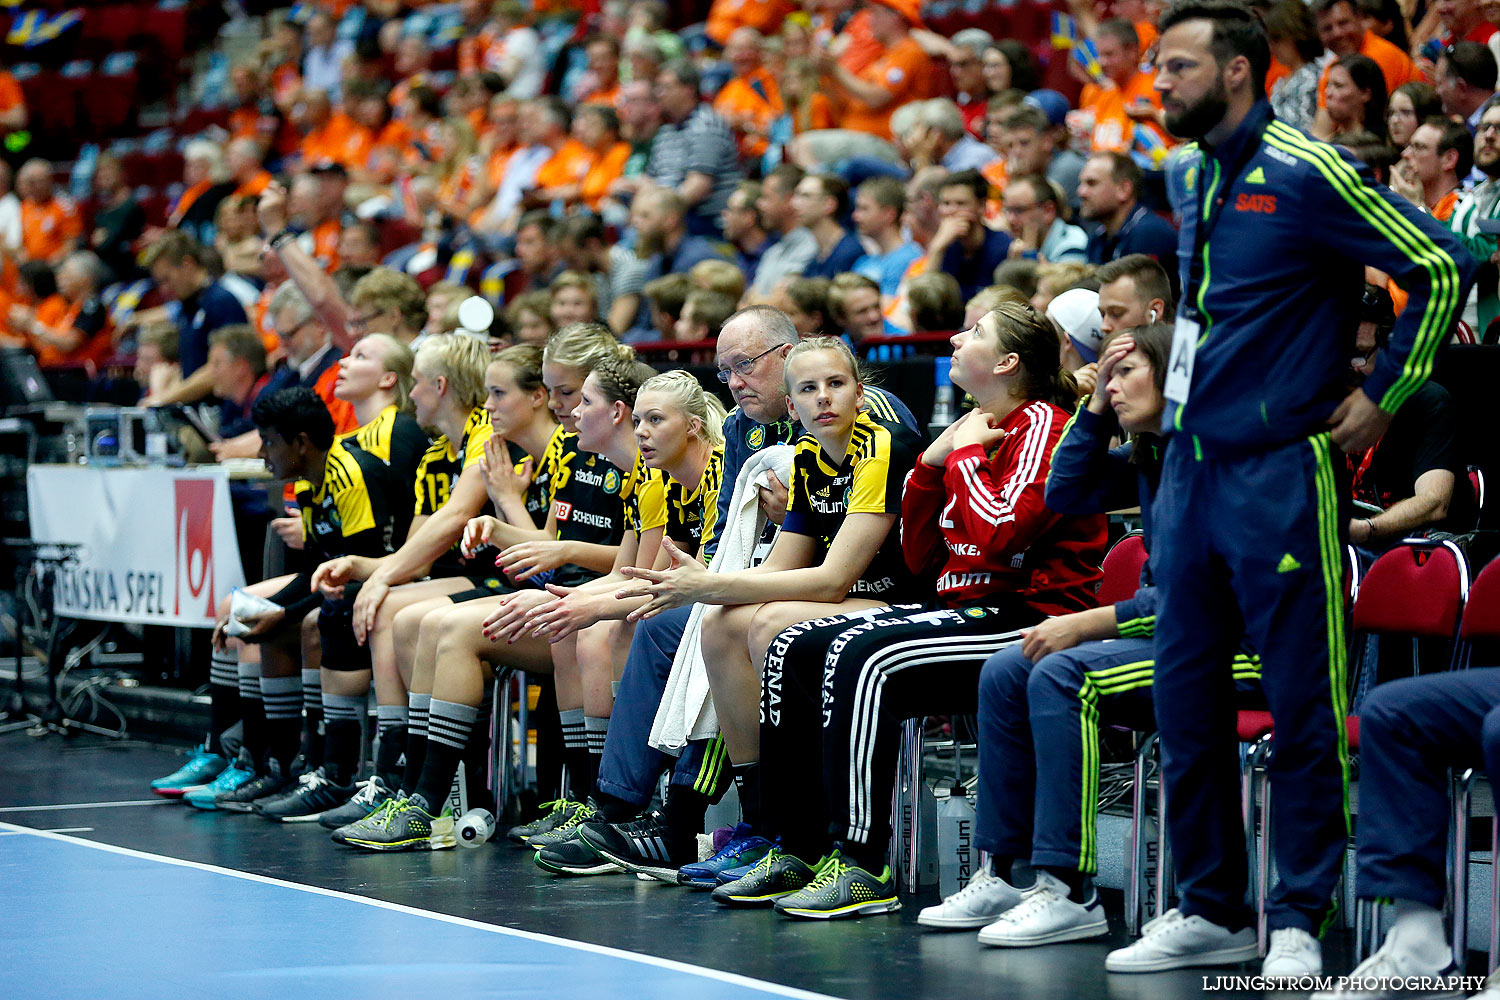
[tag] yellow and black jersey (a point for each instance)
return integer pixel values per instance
(348, 514)
(443, 462)
(867, 479)
(645, 493)
(586, 489)
(399, 443)
(690, 512)
(544, 477)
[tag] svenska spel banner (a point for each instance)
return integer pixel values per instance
(158, 545)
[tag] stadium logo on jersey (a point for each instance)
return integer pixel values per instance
(757, 436)
(612, 481)
(194, 531)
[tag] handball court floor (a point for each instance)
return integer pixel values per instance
(106, 892)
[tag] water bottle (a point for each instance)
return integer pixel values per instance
(957, 856)
(942, 396)
(475, 828)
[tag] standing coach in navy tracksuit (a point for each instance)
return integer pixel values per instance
(1275, 230)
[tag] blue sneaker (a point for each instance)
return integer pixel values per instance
(743, 850)
(229, 779)
(200, 770)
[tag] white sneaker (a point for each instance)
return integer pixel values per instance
(976, 904)
(1293, 952)
(1390, 966)
(1173, 941)
(1046, 915)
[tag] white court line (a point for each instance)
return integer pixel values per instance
(70, 829)
(733, 978)
(85, 805)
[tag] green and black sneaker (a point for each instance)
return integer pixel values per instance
(556, 812)
(566, 830)
(841, 890)
(403, 825)
(777, 874)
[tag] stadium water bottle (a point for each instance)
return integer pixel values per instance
(475, 827)
(942, 396)
(957, 857)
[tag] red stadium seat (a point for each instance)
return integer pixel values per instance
(1481, 621)
(1416, 589)
(1122, 569)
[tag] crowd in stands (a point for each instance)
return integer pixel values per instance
(791, 190)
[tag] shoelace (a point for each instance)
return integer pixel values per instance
(1284, 946)
(828, 875)
(1032, 902)
(732, 848)
(976, 885)
(382, 819)
(366, 794)
(1155, 923)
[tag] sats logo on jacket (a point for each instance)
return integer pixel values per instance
(1263, 203)
(194, 531)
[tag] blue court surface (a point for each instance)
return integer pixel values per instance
(85, 920)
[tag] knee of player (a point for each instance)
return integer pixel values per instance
(1003, 673)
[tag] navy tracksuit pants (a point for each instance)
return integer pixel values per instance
(1039, 744)
(631, 766)
(1411, 732)
(1252, 545)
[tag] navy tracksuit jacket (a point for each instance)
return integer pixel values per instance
(1252, 516)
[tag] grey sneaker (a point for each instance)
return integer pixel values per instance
(566, 830)
(554, 813)
(372, 794)
(405, 825)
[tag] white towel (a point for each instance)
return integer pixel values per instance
(686, 711)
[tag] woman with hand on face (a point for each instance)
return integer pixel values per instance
(972, 512)
(1040, 701)
(838, 550)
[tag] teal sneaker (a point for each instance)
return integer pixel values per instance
(842, 890)
(743, 851)
(406, 825)
(229, 779)
(777, 874)
(202, 768)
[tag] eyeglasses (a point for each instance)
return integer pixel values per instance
(744, 368)
(363, 319)
(1487, 127)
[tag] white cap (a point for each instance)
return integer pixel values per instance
(1077, 312)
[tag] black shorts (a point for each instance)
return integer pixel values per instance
(336, 629)
(484, 586)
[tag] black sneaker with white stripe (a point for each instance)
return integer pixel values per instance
(647, 846)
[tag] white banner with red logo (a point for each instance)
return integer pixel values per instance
(158, 545)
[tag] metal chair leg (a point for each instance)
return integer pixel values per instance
(1494, 887)
(1135, 903)
(912, 736)
(1463, 794)
(1164, 880)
